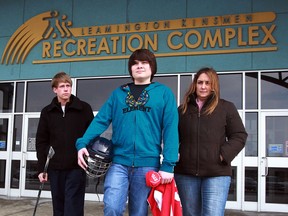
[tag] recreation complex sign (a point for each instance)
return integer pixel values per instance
(239, 33)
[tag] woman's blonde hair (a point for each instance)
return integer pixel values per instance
(215, 90)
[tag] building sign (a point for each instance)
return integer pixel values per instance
(60, 42)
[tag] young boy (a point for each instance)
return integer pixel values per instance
(61, 122)
(143, 114)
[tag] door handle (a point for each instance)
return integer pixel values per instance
(24, 157)
(265, 160)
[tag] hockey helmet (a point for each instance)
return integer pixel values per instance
(100, 157)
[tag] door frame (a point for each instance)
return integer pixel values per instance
(264, 162)
(29, 156)
(238, 162)
(6, 155)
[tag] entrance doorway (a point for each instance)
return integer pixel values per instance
(273, 162)
(5, 143)
(265, 182)
(29, 178)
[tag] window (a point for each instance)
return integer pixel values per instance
(17, 133)
(170, 81)
(15, 174)
(274, 92)
(251, 90)
(97, 91)
(231, 88)
(39, 95)
(251, 125)
(6, 97)
(185, 82)
(19, 97)
(251, 184)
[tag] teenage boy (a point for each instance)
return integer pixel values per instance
(143, 115)
(64, 120)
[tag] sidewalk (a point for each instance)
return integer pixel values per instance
(25, 207)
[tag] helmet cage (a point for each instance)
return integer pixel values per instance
(100, 157)
(96, 167)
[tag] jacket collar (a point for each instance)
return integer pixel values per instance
(152, 85)
(193, 102)
(74, 103)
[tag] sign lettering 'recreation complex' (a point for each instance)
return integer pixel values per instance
(60, 42)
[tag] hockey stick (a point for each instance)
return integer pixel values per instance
(49, 156)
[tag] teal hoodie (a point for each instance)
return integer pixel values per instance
(139, 129)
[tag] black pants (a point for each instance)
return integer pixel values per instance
(68, 191)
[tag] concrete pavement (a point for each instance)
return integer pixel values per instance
(25, 207)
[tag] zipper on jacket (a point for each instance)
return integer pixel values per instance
(134, 156)
(134, 150)
(198, 126)
(63, 111)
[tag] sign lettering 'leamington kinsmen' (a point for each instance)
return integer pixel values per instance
(251, 32)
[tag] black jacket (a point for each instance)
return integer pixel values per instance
(61, 130)
(204, 137)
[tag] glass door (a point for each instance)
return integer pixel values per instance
(5, 153)
(235, 194)
(30, 183)
(273, 162)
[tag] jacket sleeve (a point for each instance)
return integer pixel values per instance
(42, 141)
(89, 114)
(235, 133)
(170, 133)
(98, 125)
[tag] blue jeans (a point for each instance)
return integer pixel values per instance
(203, 196)
(122, 182)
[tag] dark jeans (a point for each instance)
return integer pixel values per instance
(68, 191)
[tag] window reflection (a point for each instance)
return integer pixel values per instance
(185, 82)
(251, 90)
(19, 100)
(170, 81)
(15, 174)
(17, 133)
(2, 173)
(251, 184)
(276, 136)
(31, 142)
(274, 88)
(3, 134)
(97, 91)
(95, 185)
(231, 88)
(232, 196)
(39, 95)
(6, 97)
(31, 179)
(251, 125)
(277, 186)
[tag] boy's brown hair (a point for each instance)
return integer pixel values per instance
(60, 77)
(143, 55)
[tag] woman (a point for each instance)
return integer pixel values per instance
(211, 134)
